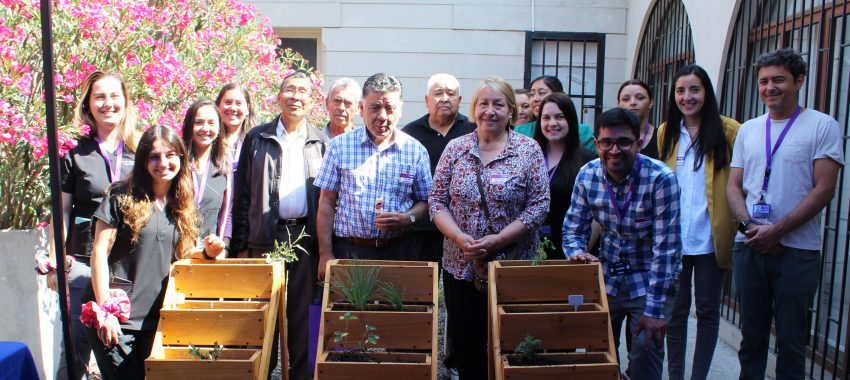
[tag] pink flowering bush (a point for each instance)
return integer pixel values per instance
(170, 53)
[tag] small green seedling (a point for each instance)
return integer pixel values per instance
(369, 337)
(392, 294)
(540, 257)
(528, 348)
(213, 354)
(286, 251)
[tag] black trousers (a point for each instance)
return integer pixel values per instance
(302, 289)
(429, 245)
(125, 360)
(466, 327)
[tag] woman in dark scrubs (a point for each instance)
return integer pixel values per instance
(145, 223)
(103, 156)
(634, 95)
(204, 139)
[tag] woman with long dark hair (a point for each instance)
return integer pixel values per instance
(103, 156)
(203, 136)
(557, 134)
(634, 95)
(696, 142)
(144, 224)
(541, 87)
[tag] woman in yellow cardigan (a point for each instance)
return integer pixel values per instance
(696, 142)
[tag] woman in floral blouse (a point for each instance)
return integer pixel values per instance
(510, 170)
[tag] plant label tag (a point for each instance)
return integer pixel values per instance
(575, 300)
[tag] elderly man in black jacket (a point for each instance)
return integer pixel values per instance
(275, 199)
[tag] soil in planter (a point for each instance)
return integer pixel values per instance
(379, 307)
(361, 357)
(519, 361)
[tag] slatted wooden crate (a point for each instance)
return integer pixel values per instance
(409, 338)
(233, 302)
(527, 299)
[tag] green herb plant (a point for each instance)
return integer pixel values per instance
(213, 354)
(368, 337)
(357, 284)
(392, 294)
(540, 257)
(528, 348)
(286, 251)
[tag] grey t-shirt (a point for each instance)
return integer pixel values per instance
(813, 136)
(141, 267)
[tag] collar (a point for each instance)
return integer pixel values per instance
(631, 176)
(282, 134)
(399, 137)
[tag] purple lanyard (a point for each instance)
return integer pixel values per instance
(552, 170)
(770, 152)
(234, 158)
(621, 212)
(114, 173)
(201, 186)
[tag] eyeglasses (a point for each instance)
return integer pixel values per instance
(290, 91)
(623, 143)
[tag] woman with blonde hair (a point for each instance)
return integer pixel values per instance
(490, 196)
(104, 155)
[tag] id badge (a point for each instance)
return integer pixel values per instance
(619, 267)
(761, 210)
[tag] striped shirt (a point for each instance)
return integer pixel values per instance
(361, 174)
(648, 236)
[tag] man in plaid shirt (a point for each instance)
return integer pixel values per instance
(378, 178)
(636, 201)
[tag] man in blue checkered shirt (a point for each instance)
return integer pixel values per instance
(636, 201)
(378, 178)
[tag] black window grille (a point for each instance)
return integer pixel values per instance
(577, 59)
(666, 46)
(817, 29)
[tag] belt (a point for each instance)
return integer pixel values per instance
(377, 243)
(292, 222)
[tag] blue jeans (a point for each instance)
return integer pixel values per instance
(79, 278)
(780, 288)
(708, 286)
(646, 359)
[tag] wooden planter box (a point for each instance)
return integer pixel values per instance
(408, 337)
(526, 299)
(233, 302)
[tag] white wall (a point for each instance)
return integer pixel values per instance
(470, 39)
(712, 23)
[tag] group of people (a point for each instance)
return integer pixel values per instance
(664, 210)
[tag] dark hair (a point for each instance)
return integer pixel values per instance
(135, 194)
(617, 117)
(711, 139)
(787, 58)
(634, 82)
(248, 123)
(521, 91)
(552, 82)
(572, 153)
(382, 83)
(218, 156)
(294, 75)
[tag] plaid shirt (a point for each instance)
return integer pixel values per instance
(360, 173)
(648, 236)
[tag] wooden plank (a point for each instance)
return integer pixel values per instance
(550, 307)
(205, 327)
(176, 363)
(559, 331)
(397, 330)
(227, 278)
(605, 367)
(221, 305)
(415, 281)
(423, 369)
(553, 282)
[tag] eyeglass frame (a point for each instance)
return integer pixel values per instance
(624, 143)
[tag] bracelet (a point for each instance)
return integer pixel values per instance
(206, 256)
(118, 304)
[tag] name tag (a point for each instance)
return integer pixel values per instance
(498, 179)
(680, 161)
(405, 178)
(619, 267)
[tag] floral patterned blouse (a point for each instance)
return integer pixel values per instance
(516, 186)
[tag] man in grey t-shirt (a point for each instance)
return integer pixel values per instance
(783, 173)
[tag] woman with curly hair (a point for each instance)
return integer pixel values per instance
(144, 224)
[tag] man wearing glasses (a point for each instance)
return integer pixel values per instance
(275, 199)
(636, 201)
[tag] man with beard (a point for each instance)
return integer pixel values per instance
(379, 179)
(440, 125)
(342, 105)
(636, 201)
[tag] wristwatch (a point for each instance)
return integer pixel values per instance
(742, 225)
(412, 217)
